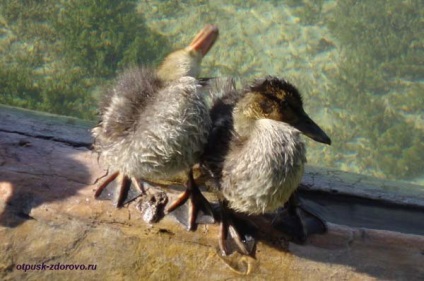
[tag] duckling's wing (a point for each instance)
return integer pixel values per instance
(122, 104)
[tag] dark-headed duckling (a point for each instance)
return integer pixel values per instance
(256, 156)
(154, 123)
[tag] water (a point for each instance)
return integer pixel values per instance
(358, 64)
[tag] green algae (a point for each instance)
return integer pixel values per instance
(58, 53)
(309, 11)
(379, 60)
(105, 35)
(381, 39)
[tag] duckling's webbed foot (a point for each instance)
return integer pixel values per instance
(298, 220)
(199, 210)
(127, 189)
(234, 235)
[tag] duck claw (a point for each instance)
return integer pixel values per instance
(231, 241)
(124, 190)
(190, 221)
(298, 221)
(104, 191)
(135, 190)
(199, 210)
(234, 235)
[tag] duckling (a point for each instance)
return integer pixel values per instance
(154, 123)
(256, 156)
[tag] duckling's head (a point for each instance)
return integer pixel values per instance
(275, 99)
(186, 62)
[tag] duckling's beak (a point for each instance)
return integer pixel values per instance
(204, 40)
(308, 127)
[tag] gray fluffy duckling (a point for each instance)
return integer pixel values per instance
(255, 156)
(154, 123)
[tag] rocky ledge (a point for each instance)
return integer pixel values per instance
(51, 228)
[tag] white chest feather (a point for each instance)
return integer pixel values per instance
(261, 175)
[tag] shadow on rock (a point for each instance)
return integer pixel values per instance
(36, 171)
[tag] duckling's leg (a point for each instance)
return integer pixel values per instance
(135, 192)
(104, 184)
(298, 221)
(123, 193)
(230, 239)
(197, 203)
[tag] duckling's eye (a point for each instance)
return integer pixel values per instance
(266, 106)
(285, 104)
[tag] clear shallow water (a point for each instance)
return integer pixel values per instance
(358, 64)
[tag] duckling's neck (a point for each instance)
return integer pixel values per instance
(243, 125)
(244, 117)
(179, 64)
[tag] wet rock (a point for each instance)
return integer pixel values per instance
(48, 216)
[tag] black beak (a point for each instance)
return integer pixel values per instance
(309, 128)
